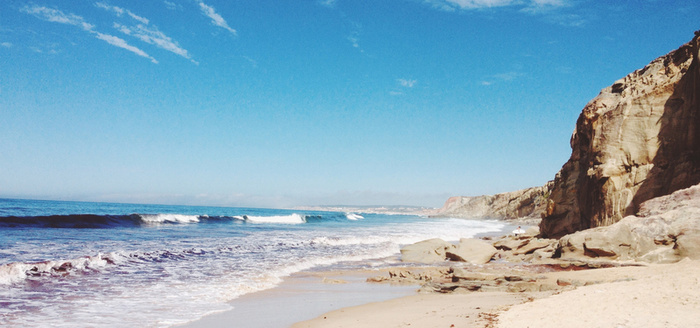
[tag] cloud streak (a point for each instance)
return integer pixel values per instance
(502, 77)
(328, 3)
(121, 11)
(548, 8)
(145, 32)
(216, 19)
(152, 35)
(118, 42)
(57, 16)
(407, 83)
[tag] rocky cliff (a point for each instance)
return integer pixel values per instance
(666, 230)
(638, 139)
(526, 204)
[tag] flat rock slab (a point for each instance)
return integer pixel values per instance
(474, 251)
(426, 251)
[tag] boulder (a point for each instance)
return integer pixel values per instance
(426, 251)
(509, 243)
(532, 232)
(474, 251)
(531, 246)
(543, 253)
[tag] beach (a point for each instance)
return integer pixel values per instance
(595, 294)
(172, 265)
(659, 295)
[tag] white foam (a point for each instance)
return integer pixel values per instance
(353, 216)
(283, 219)
(19, 271)
(169, 218)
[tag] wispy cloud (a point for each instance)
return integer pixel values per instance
(401, 85)
(501, 77)
(253, 62)
(6, 44)
(216, 19)
(121, 11)
(354, 37)
(473, 4)
(171, 5)
(571, 20)
(327, 3)
(407, 83)
(118, 42)
(155, 37)
(145, 32)
(549, 8)
(57, 16)
(354, 40)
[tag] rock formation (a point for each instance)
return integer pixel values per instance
(522, 204)
(474, 251)
(436, 250)
(638, 139)
(426, 251)
(666, 229)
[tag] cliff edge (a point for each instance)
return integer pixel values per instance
(637, 140)
(524, 205)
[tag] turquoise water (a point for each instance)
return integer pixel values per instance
(91, 264)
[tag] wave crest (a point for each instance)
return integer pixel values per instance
(280, 219)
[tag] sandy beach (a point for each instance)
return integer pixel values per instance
(631, 294)
(661, 295)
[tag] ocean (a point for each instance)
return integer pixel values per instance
(78, 264)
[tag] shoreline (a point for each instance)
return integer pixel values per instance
(303, 296)
(604, 296)
(310, 293)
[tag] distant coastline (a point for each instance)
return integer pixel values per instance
(371, 209)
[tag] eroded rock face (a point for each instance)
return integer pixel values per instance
(638, 139)
(526, 203)
(667, 229)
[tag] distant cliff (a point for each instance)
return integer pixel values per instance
(638, 139)
(528, 204)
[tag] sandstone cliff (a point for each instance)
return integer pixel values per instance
(638, 139)
(666, 230)
(526, 204)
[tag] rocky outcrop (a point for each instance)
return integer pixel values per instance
(666, 229)
(426, 251)
(522, 204)
(474, 251)
(638, 139)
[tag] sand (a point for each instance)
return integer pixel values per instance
(651, 296)
(424, 310)
(302, 296)
(655, 296)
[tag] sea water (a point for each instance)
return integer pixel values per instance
(76, 264)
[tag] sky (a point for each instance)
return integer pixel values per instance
(259, 103)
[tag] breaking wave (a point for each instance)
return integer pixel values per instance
(134, 220)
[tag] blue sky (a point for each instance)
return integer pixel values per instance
(283, 103)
